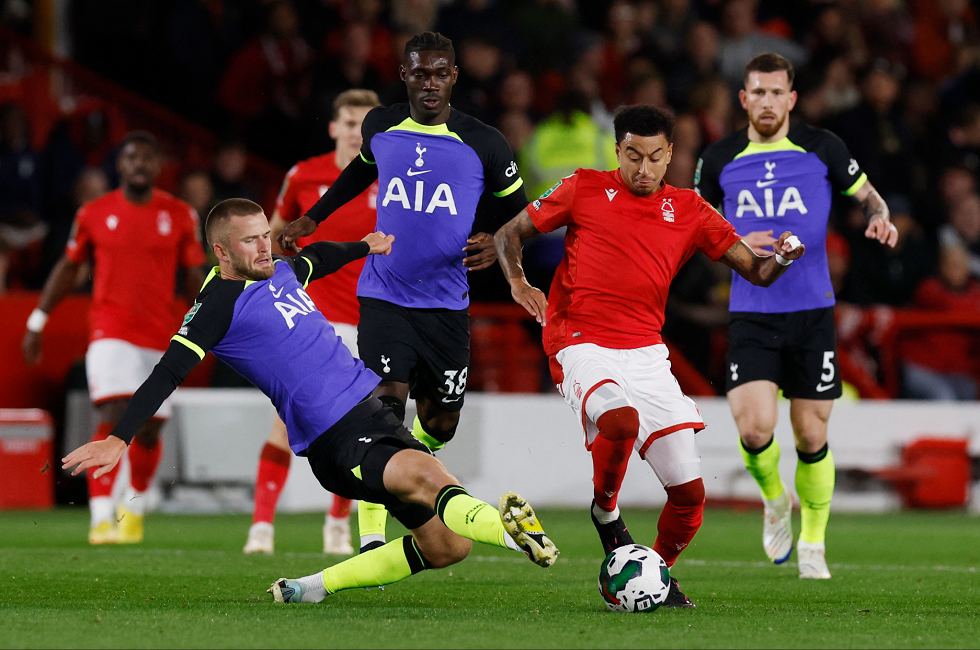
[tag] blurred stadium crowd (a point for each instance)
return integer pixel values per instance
(898, 80)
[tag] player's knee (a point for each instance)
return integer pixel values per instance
(442, 427)
(430, 478)
(687, 495)
(755, 439)
(619, 424)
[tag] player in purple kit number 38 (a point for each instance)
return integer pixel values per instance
(775, 176)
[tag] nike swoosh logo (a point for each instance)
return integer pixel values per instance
(821, 388)
(446, 400)
(275, 294)
(766, 183)
(411, 173)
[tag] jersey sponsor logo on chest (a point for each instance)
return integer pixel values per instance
(790, 199)
(421, 199)
(294, 304)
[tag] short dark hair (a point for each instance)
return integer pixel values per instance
(430, 42)
(769, 62)
(140, 137)
(643, 120)
(225, 210)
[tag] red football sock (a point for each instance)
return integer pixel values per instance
(101, 487)
(341, 507)
(680, 519)
(273, 470)
(143, 462)
(611, 451)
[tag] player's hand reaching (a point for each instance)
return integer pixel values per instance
(883, 230)
(760, 241)
(103, 454)
(302, 227)
(480, 252)
(530, 298)
(379, 242)
(789, 247)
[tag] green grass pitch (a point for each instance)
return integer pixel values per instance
(900, 580)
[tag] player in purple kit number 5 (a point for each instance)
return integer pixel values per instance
(776, 176)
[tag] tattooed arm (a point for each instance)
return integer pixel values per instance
(876, 212)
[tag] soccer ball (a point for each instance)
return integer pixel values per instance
(634, 578)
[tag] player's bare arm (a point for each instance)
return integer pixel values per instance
(480, 252)
(509, 241)
(760, 241)
(58, 285)
(876, 212)
(762, 271)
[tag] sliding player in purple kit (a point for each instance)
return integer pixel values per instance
(254, 314)
(775, 176)
(432, 164)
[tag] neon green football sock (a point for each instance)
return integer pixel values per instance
(371, 520)
(815, 476)
(763, 465)
(471, 518)
(423, 436)
(390, 563)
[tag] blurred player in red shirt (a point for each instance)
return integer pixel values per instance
(132, 315)
(629, 233)
(334, 295)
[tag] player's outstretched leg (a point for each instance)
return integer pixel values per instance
(618, 425)
(336, 528)
(272, 473)
(815, 477)
(777, 526)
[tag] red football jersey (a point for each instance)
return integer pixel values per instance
(336, 294)
(621, 253)
(136, 250)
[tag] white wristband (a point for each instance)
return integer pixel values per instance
(36, 321)
(783, 261)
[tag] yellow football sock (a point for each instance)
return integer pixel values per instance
(471, 518)
(390, 563)
(371, 519)
(763, 465)
(815, 477)
(423, 436)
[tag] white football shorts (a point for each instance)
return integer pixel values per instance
(116, 368)
(644, 375)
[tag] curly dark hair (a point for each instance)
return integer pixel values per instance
(643, 120)
(430, 42)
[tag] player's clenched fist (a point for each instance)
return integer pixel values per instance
(302, 227)
(379, 242)
(789, 246)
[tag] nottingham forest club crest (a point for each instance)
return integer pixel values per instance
(667, 208)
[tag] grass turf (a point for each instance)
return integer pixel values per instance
(900, 580)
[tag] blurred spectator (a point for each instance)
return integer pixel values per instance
(479, 60)
(20, 188)
(267, 84)
(547, 28)
(743, 40)
(889, 276)
(228, 176)
(836, 93)
(940, 363)
(673, 20)
(458, 20)
(90, 184)
(941, 29)
(622, 42)
(833, 37)
(687, 146)
(711, 101)
(385, 53)
(877, 134)
(414, 15)
(888, 30)
(562, 143)
(697, 62)
(963, 229)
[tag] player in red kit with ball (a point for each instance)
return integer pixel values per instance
(335, 296)
(629, 233)
(132, 315)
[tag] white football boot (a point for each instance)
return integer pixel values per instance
(777, 527)
(812, 559)
(336, 536)
(260, 539)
